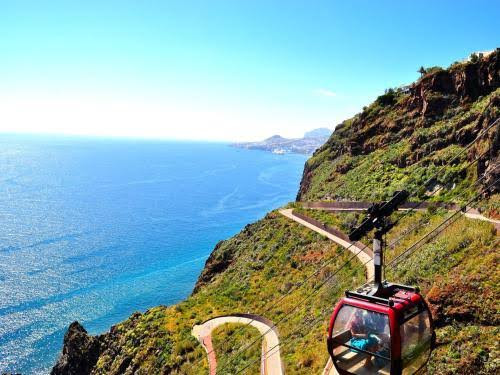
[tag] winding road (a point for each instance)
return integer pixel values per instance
(270, 363)
(363, 257)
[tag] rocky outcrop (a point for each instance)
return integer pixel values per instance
(437, 91)
(223, 256)
(216, 263)
(488, 167)
(466, 294)
(305, 181)
(80, 352)
(443, 96)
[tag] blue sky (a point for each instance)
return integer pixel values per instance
(219, 70)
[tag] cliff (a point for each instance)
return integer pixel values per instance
(400, 140)
(443, 110)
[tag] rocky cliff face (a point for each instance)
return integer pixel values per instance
(443, 108)
(216, 263)
(80, 352)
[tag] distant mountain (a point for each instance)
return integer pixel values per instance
(275, 139)
(279, 145)
(318, 133)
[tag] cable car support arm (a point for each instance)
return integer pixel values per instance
(377, 219)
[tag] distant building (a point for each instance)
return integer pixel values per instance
(480, 54)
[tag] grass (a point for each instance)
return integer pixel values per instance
(231, 337)
(251, 284)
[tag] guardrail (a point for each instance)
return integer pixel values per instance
(362, 206)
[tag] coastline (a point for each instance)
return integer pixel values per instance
(99, 253)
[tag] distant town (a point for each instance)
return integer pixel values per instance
(279, 145)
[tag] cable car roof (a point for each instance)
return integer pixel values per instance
(399, 298)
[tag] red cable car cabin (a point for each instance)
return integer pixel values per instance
(390, 334)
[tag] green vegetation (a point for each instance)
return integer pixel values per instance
(388, 98)
(433, 69)
(274, 255)
(474, 57)
(231, 337)
(345, 221)
(466, 349)
(407, 163)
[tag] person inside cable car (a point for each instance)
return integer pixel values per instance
(369, 332)
(381, 332)
(361, 337)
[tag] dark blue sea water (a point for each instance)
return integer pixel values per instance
(93, 230)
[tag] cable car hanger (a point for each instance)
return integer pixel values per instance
(377, 217)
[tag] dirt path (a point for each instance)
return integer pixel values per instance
(271, 363)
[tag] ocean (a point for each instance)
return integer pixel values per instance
(95, 229)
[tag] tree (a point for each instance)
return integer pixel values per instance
(474, 58)
(388, 98)
(422, 71)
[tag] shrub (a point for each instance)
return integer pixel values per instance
(433, 69)
(388, 98)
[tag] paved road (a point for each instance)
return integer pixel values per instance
(271, 363)
(360, 254)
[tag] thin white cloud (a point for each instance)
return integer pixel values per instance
(325, 92)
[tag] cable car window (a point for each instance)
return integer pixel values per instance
(361, 341)
(416, 337)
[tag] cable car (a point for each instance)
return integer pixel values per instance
(380, 328)
(381, 335)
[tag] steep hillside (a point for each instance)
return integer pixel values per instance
(287, 273)
(401, 139)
